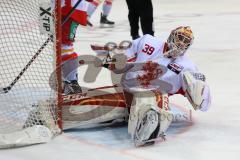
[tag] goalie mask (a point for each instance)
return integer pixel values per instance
(179, 40)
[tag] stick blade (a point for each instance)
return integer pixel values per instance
(4, 90)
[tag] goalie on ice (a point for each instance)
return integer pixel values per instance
(164, 70)
(154, 70)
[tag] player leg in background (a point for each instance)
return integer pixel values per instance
(69, 59)
(146, 16)
(104, 22)
(149, 117)
(107, 5)
(92, 6)
(133, 18)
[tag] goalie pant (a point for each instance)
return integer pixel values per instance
(140, 10)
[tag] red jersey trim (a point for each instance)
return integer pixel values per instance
(78, 16)
(69, 57)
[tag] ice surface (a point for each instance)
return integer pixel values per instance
(216, 50)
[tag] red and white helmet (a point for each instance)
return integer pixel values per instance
(179, 40)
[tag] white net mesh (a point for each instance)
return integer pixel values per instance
(31, 95)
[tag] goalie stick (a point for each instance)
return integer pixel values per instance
(111, 46)
(9, 87)
(110, 49)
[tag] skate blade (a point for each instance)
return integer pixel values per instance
(90, 28)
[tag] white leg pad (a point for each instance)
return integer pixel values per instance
(142, 102)
(165, 120)
(144, 105)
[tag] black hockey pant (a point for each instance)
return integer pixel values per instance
(140, 10)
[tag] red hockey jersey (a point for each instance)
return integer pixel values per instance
(79, 15)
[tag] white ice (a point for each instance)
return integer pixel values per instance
(213, 135)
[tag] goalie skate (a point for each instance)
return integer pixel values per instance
(71, 87)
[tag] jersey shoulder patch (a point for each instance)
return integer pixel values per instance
(176, 68)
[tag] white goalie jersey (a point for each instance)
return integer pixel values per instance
(168, 75)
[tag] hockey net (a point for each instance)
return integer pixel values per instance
(29, 98)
